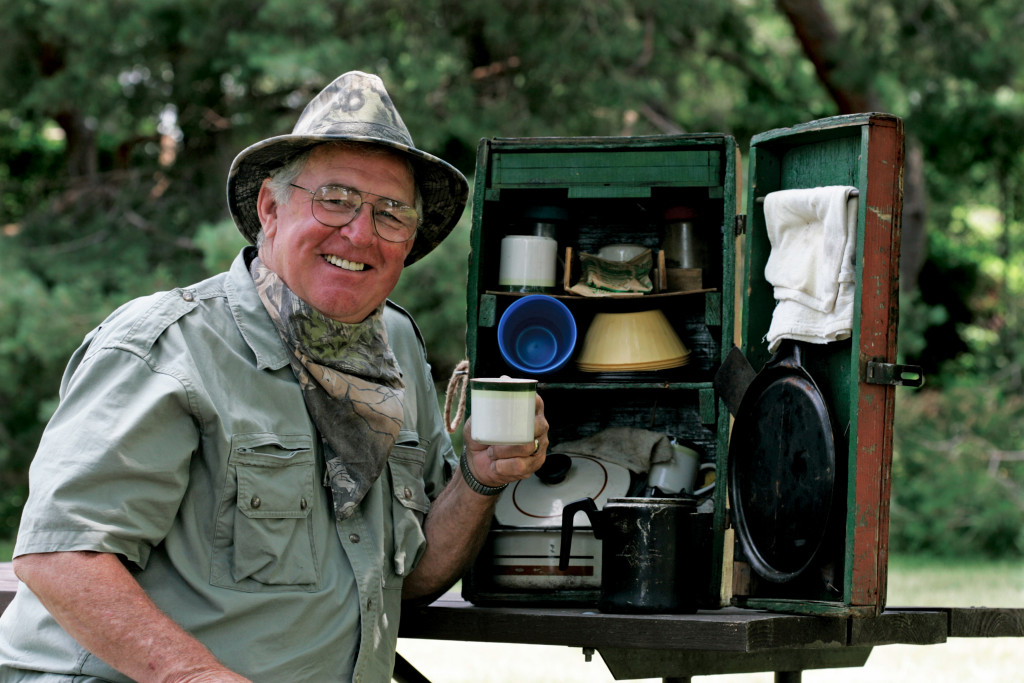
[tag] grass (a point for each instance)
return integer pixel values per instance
(913, 581)
(916, 581)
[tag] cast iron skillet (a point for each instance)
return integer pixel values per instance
(782, 468)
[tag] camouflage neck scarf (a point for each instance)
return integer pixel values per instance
(350, 380)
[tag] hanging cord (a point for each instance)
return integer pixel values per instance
(459, 375)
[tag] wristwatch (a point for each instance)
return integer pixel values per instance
(467, 474)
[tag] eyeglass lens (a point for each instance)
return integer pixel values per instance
(337, 206)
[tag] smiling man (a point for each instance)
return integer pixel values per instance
(345, 273)
(245, 476)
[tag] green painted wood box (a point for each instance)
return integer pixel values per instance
(617, 190)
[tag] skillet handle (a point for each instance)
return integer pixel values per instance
(733, 378)
(789, 354)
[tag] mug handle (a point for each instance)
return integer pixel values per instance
(705, 466)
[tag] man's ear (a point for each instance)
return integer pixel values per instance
(266, 208)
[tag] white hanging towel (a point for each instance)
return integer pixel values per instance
(813, 233)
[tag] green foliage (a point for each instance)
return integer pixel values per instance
(954, 70)
(964, 321)
(40, 325)
(434, 291)
(220, 243)
(119, 119)
(958, 470)
(6, 550)
(933, 317)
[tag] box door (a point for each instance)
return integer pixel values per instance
(847, 575)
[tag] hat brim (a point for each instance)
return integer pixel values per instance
(443, 187)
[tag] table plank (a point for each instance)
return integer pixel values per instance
(633, 664)
(914, 627)
(726, 630)
(985, 622)
(980, 622)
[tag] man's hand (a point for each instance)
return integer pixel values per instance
(94, 598)
(498, 465)
(460, 517)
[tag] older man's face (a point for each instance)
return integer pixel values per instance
(344, 273)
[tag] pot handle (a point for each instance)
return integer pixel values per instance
(586, 505)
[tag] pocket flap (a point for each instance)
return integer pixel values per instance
(406, 466)
(275, 474)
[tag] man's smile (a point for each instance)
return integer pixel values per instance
(343, 263)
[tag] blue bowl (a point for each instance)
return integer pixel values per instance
(537, 334)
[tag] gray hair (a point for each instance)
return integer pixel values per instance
(283, 176)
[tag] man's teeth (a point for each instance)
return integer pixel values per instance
(343, 263)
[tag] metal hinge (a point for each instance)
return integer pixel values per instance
(894, 374)
(740, 227)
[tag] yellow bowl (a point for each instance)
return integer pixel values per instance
(636, 367)
(643, 338)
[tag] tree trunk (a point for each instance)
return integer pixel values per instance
(914, 241)
(827, 51)
(80, 154)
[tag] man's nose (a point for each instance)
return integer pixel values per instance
(361, 230)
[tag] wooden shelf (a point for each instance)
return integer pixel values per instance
(604, 299)
(605, 385)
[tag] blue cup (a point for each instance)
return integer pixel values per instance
(537, 334)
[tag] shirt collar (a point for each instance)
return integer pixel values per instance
(250, 315)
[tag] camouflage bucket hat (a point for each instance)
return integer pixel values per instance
(355, 107)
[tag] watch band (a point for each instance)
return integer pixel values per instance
(472, 482)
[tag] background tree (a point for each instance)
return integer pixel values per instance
(120, 117)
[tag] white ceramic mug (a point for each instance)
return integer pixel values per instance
(503, 409)
(679, 474)
(528, 263)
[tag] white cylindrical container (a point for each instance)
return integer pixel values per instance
(528, 263)
(503, 410)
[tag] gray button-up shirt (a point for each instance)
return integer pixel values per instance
(182, 443)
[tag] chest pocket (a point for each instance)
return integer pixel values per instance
(264, 537)
(409, 502)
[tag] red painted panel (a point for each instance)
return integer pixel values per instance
(879, 318)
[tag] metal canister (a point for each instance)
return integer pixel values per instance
(681, 242)
(651, 554)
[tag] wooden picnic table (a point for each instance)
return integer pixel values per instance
(676, 647)
(725, 641)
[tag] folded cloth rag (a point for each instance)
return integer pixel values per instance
(635, 449)
(813, 233)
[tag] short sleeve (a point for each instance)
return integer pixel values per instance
(113, 463)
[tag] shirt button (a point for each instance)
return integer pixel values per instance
(255, 502)
(303, 504)
(354, 538)
(408, 493)
(187, 295)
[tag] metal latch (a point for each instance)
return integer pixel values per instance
(740, 227)
(894, 374)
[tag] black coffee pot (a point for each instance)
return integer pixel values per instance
(650, 559)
